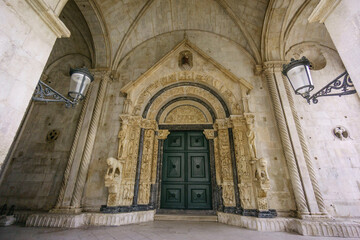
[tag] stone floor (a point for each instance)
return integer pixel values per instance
(159, 230)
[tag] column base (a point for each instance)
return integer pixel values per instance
(67, 220)
(66, 210)
(308, 227)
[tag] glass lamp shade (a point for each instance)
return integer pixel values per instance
(298, 74)
(79, 83)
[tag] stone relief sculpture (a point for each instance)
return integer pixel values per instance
(224, 162)
(243, 160)
(145, 174)
(251, 135)
(120, 176)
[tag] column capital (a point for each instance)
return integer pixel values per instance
(162, 134)
(273, 66)
(101, 74)
(209, 133)
(148, 124)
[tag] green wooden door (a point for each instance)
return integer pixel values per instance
(186, 172)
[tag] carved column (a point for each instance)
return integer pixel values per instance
(243, 162)
(161, 135)
(310, 166)
(286, 143)
(224, 162)
(74, 148)
(90, 140)
(146, 162)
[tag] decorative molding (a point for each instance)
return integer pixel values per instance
(50, 18)
(323, 10)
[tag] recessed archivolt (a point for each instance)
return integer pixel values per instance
(184, 91)
(210, 86)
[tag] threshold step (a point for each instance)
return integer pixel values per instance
(189, 218)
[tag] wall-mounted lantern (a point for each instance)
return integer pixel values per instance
(80, 79)
(298, 74)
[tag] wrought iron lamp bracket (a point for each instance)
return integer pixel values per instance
(44, 93)
(342, 85)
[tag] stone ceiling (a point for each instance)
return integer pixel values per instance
(263, 28)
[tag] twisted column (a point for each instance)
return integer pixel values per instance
(285, 139)
(305, 149)
(85, 161)
(73, 150)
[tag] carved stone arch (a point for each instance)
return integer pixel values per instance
(198, 91)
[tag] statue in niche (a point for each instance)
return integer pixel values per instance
(185, 60)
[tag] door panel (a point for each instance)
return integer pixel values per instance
(175, 141)
(196, 141)
(199, 197)
(198, 167)
(173, 196)
(174, 167)
(186, 172)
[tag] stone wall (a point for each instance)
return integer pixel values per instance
(24, 38)
(37, 164)
(337, 161)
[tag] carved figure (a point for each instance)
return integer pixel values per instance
(113, 179)
(263, 180)
(251, 136)
(261, 173)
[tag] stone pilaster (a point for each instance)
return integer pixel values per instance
(146, 162)
(223, 161)
(243, 162)
(76, 152)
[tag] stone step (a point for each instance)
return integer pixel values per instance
(189, 218)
